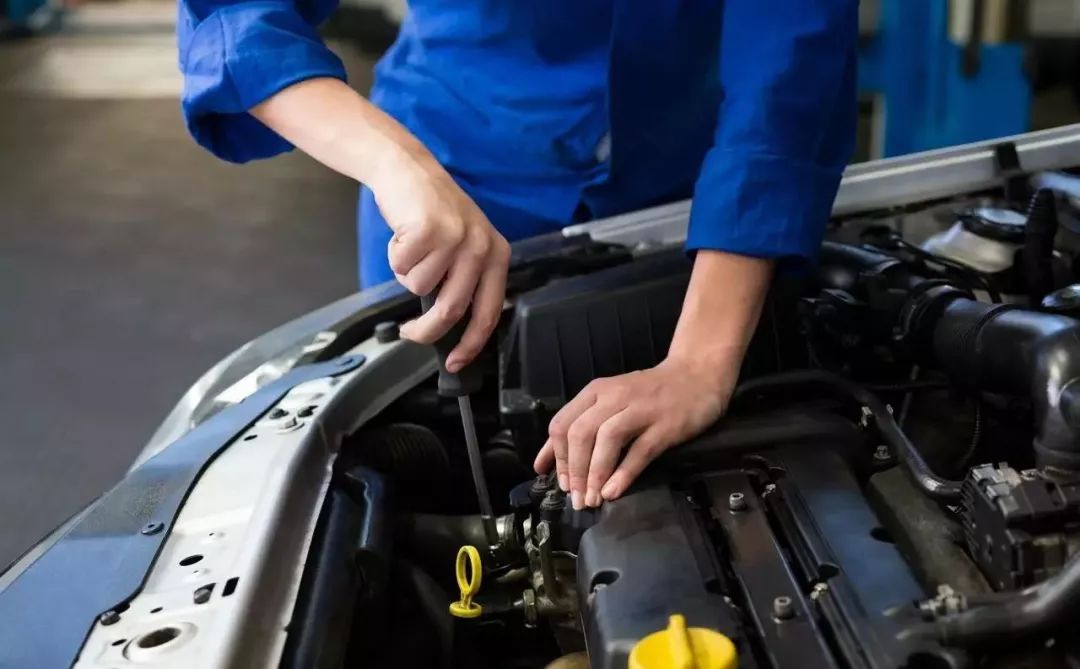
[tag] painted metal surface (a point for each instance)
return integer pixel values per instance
(103, 560)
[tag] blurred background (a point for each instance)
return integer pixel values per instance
(131, 261)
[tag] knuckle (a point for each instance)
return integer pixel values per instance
(652, 450)
(557, 428)
(502, 249)
(450, 311)
(610, 433)
(578, 432)
(486, 321)
(397, 265)
(421, 231)
(454, 231)
(480, 245)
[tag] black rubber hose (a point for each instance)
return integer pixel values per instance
(1038, 255)
(434, 602)
(739, 435)
(406, 453)
(925, 479)
(1004, 349)
(438, 537)
(1032, 612)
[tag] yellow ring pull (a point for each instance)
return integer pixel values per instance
(468, 571)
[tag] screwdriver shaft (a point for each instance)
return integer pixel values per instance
(487, 514)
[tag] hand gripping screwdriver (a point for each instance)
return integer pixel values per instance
(461, 385)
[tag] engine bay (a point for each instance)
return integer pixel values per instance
(896, 483)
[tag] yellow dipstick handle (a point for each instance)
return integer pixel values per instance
(468, 571)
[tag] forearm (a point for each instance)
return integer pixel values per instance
(721, 310)
(336, 126)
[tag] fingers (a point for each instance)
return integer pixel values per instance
(545, 459)
(487, 307)
(558, 430)
(450, 306)
(612, 437)
(580, 439)
(425, 275)
(643, 451)
(408, 247)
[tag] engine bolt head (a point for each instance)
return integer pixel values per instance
(881, 453)
(152, 528)
(553, 501)
(783, 608)
(386, 332)
(736, 501)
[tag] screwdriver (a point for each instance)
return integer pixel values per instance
(461, 385)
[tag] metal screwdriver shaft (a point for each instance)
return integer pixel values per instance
(459, 385)
(487, 514)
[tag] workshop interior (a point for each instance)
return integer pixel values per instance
(220, 454)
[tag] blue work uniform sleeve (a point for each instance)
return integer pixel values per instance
(785, 131)
(235, 54)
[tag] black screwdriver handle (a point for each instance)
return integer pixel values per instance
(464, 382)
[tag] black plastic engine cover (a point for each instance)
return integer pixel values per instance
(729, 543)
(611, 322)
(636, 567)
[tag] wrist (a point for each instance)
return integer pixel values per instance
(721, 310)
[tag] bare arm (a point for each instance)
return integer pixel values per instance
(441, 238)
(657, 408)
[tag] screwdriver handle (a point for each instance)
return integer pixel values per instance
(464, 382)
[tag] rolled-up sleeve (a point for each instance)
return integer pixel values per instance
(786, 128)
(234, 55)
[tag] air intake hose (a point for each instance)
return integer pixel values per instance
(997, 348)
(1005, 349)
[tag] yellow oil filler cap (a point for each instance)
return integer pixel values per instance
(680, 648)
(468, 571)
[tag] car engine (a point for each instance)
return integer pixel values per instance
(896, 483)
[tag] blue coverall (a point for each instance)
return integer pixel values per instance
(544, 109)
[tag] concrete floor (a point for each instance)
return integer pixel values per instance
(131, 260)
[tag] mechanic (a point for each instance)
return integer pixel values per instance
(495, 120)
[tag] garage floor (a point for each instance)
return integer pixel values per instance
(130, 260)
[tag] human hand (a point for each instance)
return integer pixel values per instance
(649, 411)
(442, 240)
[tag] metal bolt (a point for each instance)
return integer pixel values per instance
(386, 332)
(152, 528)
(783, 608)
(769, 489)
(110, 617)
(202, 595)
(553, 501)
(736, 501)
(540, 486)
(881, 453)
(818, 590)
